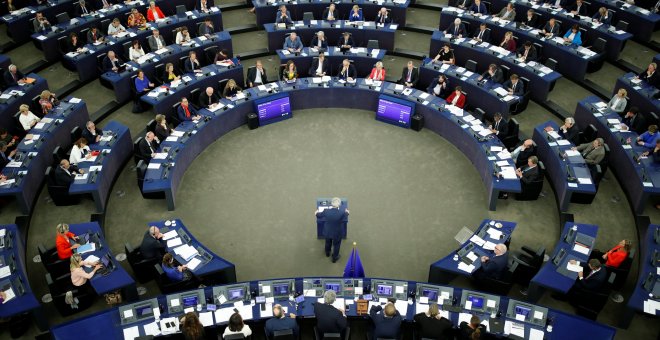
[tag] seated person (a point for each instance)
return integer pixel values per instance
(472, 330)
(387, 321)
(602, 16)
(257, 75)
(154, 13)
(80, 152)
(579, 8)
(5, 158)
(356, 14)
(292, 43)
(331, 13)
(66, 173)
(478, 8)
(13, 76)
(136, 19)
(383, 17)
(206, 29)
(81, 8)
(103, 4)
(527, 52)
(557, 3)
(615, 256)
(111, 63)
(347, 71)
(281, 322)
(507, 13)
(91, 133)
(40, 23)
(10, 142)
(648, 75)
(378, 72)
(142, 83)
(618, 102)
(187, 112)
(409, 75)
(148, 146)
(183, 36)
(456, 29)
(493, 267)
(94, 35)
(208, 99)
(594, 280)
(551, 28)
(65, 241)
(328, 318)
(283, 16)
(153, 245)
(135, 52)
(569, 131)
(648, 138)
(319, 66)
(236, 326)
(508, 43)
(231, 89)
(593, 153)
(27, 118)
(530, 20)
(445, 55)
(522, 153)
(439, 87)
(493, 74)
(162, 130)
(432, 325)
(634, 120)
(115, 27)
(655, 154)
(175, 272)
(47, 100)
(346, 41)
(221, 56)
(74, 44)
(463, 4)
(573, 36)
(290, 73)
(169, 74)
(482, 34)
(80, 277)
(319, 41)
(191, 64)
(529, 173)
(514, 86)
(156, 41)
(457, 98)
(500, 127)
(192, 329)
(203, 6)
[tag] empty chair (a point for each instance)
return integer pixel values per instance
(551, 64)
(59, 193)
(63, 44)
(332, 336)
(512, 139)
(52, 262)
(76, 133)
(471, 65)
(373, 44)
(84, 299)
(59, 154)
(622, 25)
(181, 10)
(63, 18)
(137, 155)
(151, 126)
(143, 269)
(141, 170)
(588, 134)
(307, 16)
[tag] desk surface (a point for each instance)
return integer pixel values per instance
(14, 252)
(10, 107)
(648, 248)
(640, 93)
(642, 22)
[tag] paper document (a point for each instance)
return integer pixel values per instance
(477, 240)
(572, 153)
(465, 267)
(151, 329)
(170, 234)
(563, 142)
(472, 256)
(131, 333)
(584, 180)
(223, 314)
(574, 267)
(9, 294)
(92, 259)
(581, 249)
(464, 316)
(5, 271)
(489, 245)
(246, 312)
(402, 307)
(514, 328)
(508, 172)
(153, 165)
(174, 242)
(206, 318)
(494, 233)
(193, 263)
(536, 334)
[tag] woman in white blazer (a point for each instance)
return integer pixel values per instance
(619, 101)
(79, 151)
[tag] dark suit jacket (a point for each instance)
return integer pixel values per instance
(481, 9)
(638, 124)
(204, 29)
(189, 67)
(444, 92)
(530, 174)
(107, 64)
(204, 99)
(161, 132)
(281, 324)
(145, 150)
(90, 38)
(64, 179)
(531, 55)
(37, 26)
(562, 3)
(343, 41)
(531, 22)
(181, 113)
(582, 11)
(521, 161)
(336, 14)
(91, 139)
(315, 65)
(315, 42)
(328, 318)
(651, 80)
(495, 266)
(502, 128)
(77, 9)
(386, 19)
(384, 327)
(351, 72)
(9, 79)
(497, 77)
(595, 282)
(333, 220)
(554, 30)
(152, 42)
(432, 328)
(280, 19)
(484, 37)
(464, 3)
(520, 87)
(252, 75)
(414, 77)
(3, 160)
(572, 134)
(151, 247)
(452, 29)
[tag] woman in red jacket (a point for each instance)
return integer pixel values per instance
(63, 241)
(378, 72)
(456, 98)
(615, 256)
(154, 13)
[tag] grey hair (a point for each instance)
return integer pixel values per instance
(329, 297)
(502, 247)
(570, 120)
(336, 202)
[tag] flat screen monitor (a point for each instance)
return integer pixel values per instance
(384, 290)
(477, 301)
(281, 289)
(394, 111)
(333, 286)
(273, 108)
(236, 294)
(522, 310)
(189, 301)
(432, 294)
(143, 311)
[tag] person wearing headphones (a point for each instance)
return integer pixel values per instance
(79, 277)
(152, 244)
(281, 322)
(65, 241)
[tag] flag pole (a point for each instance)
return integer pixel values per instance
(354, 257)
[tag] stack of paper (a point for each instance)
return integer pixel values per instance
(151, 329)
(174, 242)
(5, 271)
(131, 333)
(574, 267)
(465, 267)
(508, 172)
(494, 233)
(186, 251)
(192, 264)
(651, 306)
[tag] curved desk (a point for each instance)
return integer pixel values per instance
(162, 102)
(478, 95)
(363, 59)
(553, 275)
(571, 62)
(648, 248)
(467, 258)
(35, 155)
(639, 177)
(333, 30)
(266, 12)
(115, 147)
(108, 324)
(640, 93)
(13, 256)
(569, 174)
(642, 22)
(212, 269)
(10, 106)
(118, 278)
(616, 40)
(19, 23)
(86, 64)
(541, 78)
(121, 82)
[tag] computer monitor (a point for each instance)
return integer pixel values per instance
(431, 294)
(384, 290)
(333, 286)
(144, 311)
(231, 293)
(236, 294)
(105, 260)
(477, 301)
(435, 293)
(523, 310)
(533, 314)
(189, 300)
(281, 289)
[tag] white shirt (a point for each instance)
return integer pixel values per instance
(180, 38)
(257, 78)
(159, 43)
(78, 154)
(455, 100)
(571, 36)
(617, 99)
(246, 331)
(319, 69)
(437, 89)
(155, 13)
(114, 30)
(135, 54)
(26, 120)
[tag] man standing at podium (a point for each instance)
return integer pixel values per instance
(334, 216)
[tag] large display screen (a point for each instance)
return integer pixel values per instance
(394, 111)
(280, 289)
(384, 290)
(273, 108)
(477, 301)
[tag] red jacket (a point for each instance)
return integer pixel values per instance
(373, 74)
(461, 99)
(616, 256)
(150, 13)
(63, 246)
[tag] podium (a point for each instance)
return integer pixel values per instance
(325, 202)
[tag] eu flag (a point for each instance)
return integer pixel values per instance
(354, 265)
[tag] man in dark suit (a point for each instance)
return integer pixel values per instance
(13, 76)
(206, 29)
(156, 41)
(463, 4)
(186, 112)
(383, 17)
(440, 87)
(319, 67)
(331, 13)
(82, 8)
(91, 133)
(332, 227)
(551, 28)
(527, 52)
(283, 16)
(594, 279)
(500, 127)
(478, 8)
(148, 146)
(635, 121)
(514, 86)
(531, 19)
(347, 71)
(256, 75)
(40, 23)
(4, 159)
(94, 35)
(522, 153)
(281, 322)
(152, 246)
(493, 74)
(557, 3)
(570, 131)
(66, 173)
(529, 173)
(191, 64)
(386, 324)
(208, 98)
(346, 41)
(409, 75)
(579, 8)
(493, 267)
(456, 29)
(111, 63)
(483, 34)
(328, 318)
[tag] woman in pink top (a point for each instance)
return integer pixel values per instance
(79, 276)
